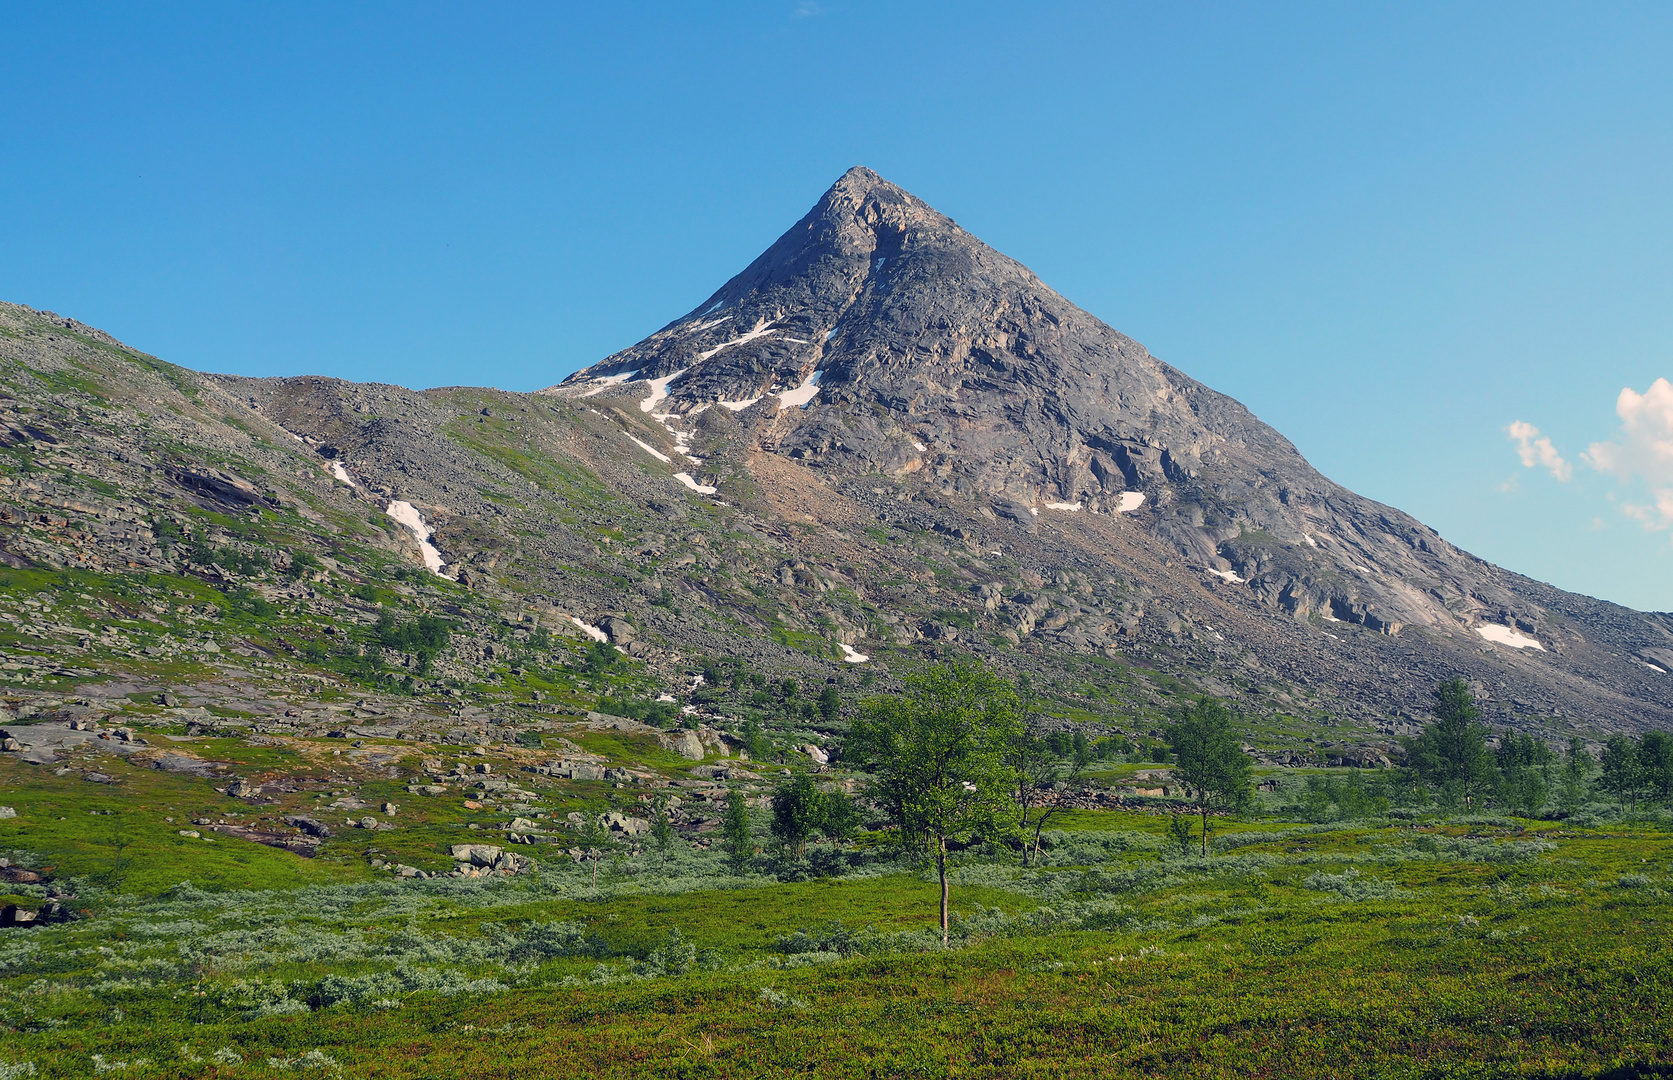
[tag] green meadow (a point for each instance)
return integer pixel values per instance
(1419, 944)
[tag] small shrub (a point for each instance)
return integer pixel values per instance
(1352, 885)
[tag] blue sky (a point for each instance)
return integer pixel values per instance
(1393, 231)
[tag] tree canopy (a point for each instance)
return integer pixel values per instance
(1209, 760)
(937, 757)
(1452, 752)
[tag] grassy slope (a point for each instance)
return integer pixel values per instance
(1538, 963)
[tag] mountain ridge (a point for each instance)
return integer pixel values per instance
(881, 438)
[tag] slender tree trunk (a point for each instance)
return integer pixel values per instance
(941, 865)
(1205, 830)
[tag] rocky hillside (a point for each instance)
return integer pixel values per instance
(881, 440)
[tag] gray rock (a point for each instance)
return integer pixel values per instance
(184, 763)
(7, 812)
(688, 744)
(310, 826)
(616, 821)
(476, 854)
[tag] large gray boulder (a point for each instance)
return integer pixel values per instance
(476, 854)
(687, 744)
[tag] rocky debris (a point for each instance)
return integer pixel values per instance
(723, 772)
(570, 770)
(310, 826)
(17, 875)
(40, 744)
(243, 789)
(623, 824)
(399, 869)
(7, 812)
(54, 910)
(604, 721)
(98, 778)
(306, 846)
(816, 753)
(14, 915)
(482, 860)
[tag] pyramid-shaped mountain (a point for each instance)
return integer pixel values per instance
(876, 335)
(882, 441)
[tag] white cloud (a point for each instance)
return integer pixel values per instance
(1535, 449)
(1645, 450)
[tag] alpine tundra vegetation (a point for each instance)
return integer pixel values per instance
(884, 669)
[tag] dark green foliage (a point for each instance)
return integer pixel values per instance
(1527, 768)
(662, 830)
(1622, 772)
(1638, 769)
(1039, 762)
(1329, 798)
(656, 713)
(1451, 754)
(1655, 761)
(796, 812)
(1578, 764)
(1179, 833)
(801, 810)
(1211, 763)
(245, 602)
(938, 759)
(199, 551)
(830, 704)
(423, 638)
(302, 564)
(598, 658)
(755, 740)
(737, 839)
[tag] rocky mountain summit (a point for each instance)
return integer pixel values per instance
(880, 443)
(876, 336)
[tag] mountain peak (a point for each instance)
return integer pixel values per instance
(859, 187)
(876, 336)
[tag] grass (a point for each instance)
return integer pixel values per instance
(1414, 945)
(1491, 947)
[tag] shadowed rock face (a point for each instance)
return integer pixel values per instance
(939, 359)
